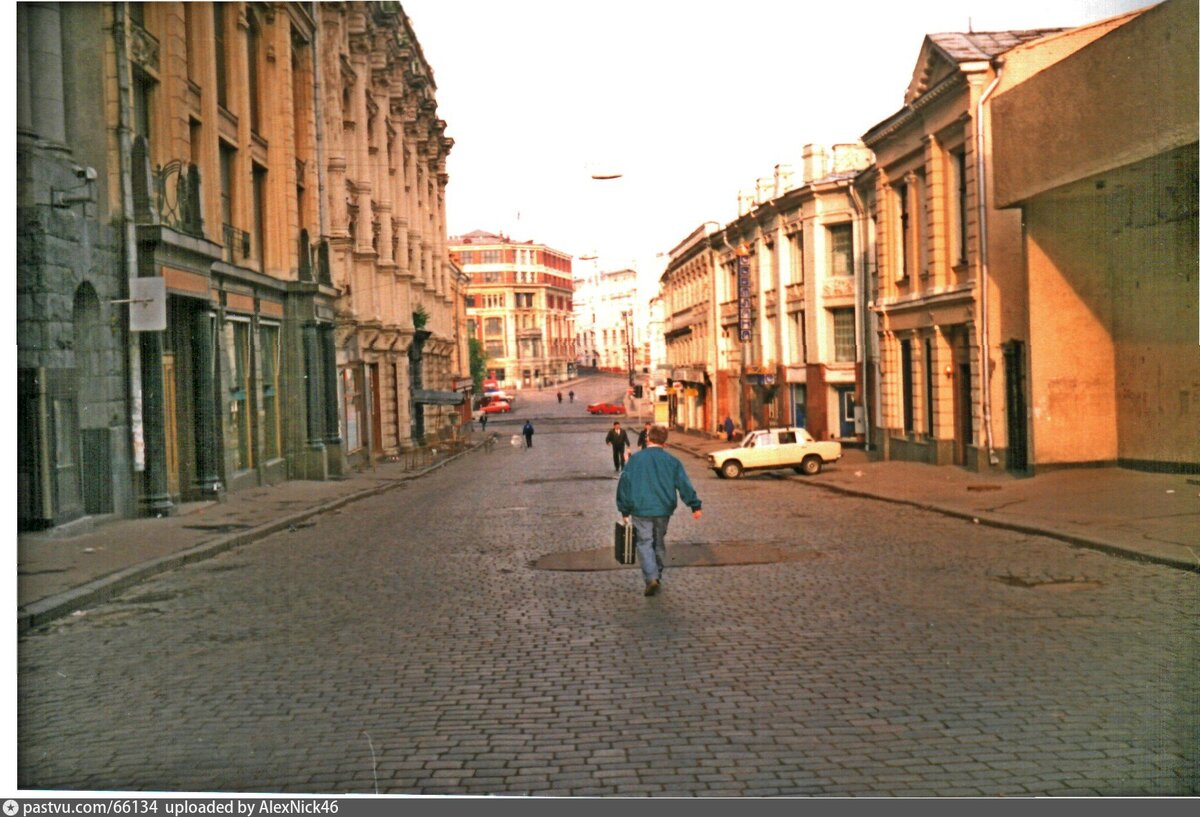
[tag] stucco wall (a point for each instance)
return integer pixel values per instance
(1115, 366)
(1129, 95)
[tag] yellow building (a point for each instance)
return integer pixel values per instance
(520, 307)
(690, 328)
(383, 154)
(950, 296)
(1103, 173)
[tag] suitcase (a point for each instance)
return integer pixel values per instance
(623, 548)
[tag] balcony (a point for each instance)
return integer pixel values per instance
(177, 197)
(237, 244)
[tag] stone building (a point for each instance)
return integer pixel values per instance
(1103, 177)
(520, 306)
(950, 296)
(384, 156)
(607, 317)
(197, 245)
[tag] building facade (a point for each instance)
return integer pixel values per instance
(791, 347)
(1108, 371)
(950, 291)
(520, 305)
(384, 154)
(607, 317)
(198, 237)
(689, 333)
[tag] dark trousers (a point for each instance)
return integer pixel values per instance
(618, 458)
(529, 441)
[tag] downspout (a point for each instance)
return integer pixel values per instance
(860, 325)
(318, 125)
(981, 188)
(129, 234)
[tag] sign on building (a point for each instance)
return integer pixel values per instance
(745, 307)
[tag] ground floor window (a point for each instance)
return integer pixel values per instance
(240, 385)
(906, 384)
(352, 411)
(272, 428)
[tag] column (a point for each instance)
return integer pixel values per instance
(314, 387)
(157, 501)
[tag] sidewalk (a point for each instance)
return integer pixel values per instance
(1133, 514)
(1150, 517)
(65, 569)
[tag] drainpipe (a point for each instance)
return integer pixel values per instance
(129, 231)
(860, 325)
(981, 187)
(318, 125)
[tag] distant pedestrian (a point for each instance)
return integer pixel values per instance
(560, 397)
(528, 432)
(571, 394)
(728, 427)
(642, 436)
(647, 494)
(619, 440)
(483, 420)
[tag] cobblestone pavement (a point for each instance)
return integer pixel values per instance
(405, 644)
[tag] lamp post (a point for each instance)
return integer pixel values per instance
(625, 314)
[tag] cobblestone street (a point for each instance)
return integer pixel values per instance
(406, 644)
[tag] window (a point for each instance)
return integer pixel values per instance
(238, 343)
(843, 335)
(524, 300)
(787, 437)
(958, 209)
(489, 257)
(494, 348)
(797, 262)
(143, 88)
(220, 54)
(260, 215)
(253, 38)
(906, 384)
(189, 39)
(929, 387)
(903, 251)
(841, 250)
(228, 156)
(272, 428)
(799, 347)
(493, 326)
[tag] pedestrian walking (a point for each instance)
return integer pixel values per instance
(560, 397)
(619, 440)
(647, 494)
(571, 394)
(527, 430)
(483, 420)
(642, 441)
(728, 427)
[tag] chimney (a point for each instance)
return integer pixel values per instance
(815, 160)
(745, 202)
(764, 190)
(783, 179)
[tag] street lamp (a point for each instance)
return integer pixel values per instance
(625, 314)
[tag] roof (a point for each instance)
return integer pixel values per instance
(969, 46)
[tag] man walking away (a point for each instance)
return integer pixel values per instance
(528, 432)
(646, 498)
(619, 441)
(560, 397)
(728, 428)
(571, 394)
(642, 440)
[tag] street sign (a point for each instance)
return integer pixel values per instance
(745, 307)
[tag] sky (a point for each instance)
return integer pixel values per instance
(690, 101)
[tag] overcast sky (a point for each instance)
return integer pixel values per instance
(691, 101)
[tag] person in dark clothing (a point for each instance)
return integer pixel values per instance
(642, 441)
(527, 430)
(619, 440)
(560, 397)
(647, 495)
(483, 420)
(728, 427)
(571, 394)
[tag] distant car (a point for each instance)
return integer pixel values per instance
(498, 407)
(606, 408)
(775, 448)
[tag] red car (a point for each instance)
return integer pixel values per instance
(497, 407)
(606, 408)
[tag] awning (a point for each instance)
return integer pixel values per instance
(437, 398)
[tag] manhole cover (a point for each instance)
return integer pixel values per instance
(683, 554)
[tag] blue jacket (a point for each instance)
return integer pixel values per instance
(650, 482)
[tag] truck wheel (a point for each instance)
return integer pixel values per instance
(732, 469)
(810, 466)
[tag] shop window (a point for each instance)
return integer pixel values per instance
(272, 427)
(239, 392)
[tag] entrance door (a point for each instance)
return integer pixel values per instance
(799, 405)
(376, 409)
(962, 414)
(64, 444)
(846, 404)
(1014, 392)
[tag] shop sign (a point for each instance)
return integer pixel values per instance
(745, 307)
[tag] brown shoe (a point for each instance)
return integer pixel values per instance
(651, 587)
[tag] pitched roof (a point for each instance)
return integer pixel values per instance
(983, 45)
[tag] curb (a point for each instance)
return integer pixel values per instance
(1073, 539)
(39, 612)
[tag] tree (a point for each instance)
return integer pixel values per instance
(478, 362)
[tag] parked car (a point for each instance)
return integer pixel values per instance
(774, 448)
(498, 407)
(606, 408)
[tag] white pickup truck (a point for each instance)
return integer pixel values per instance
(774, 448)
